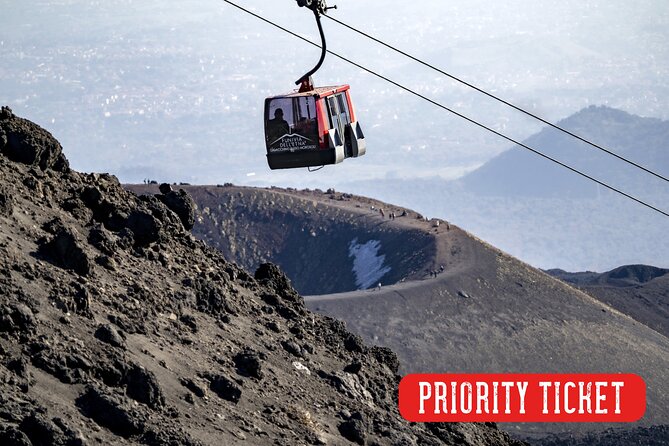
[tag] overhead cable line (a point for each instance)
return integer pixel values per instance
(466, 118)
(497, 98)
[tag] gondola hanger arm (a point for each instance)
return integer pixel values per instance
(318, 7)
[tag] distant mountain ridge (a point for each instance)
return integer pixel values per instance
(518, 172)
(640, 291)
(551, 217)
(623, 276)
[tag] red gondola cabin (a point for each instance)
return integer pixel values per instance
(312, 128)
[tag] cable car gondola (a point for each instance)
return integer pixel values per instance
(313, 126)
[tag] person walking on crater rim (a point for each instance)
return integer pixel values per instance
(278, 126)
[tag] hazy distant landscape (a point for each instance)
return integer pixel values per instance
(173, 91)
(549, 216)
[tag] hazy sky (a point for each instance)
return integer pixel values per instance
(174, 90)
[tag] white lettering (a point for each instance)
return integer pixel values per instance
(618, 385)
(584, 396)
(557, 397)
(507, 387)
(545, 385)
(599, 397)
(440, 392)
(425, 394)
(522, 388)
(482, 397)
(495, 409)
(568, 385)
(466, 397)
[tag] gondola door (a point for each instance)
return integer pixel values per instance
(336, 122)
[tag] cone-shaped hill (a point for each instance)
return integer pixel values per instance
(117, 326)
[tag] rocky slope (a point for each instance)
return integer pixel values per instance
(640, 291)
(652, 436)
(309, 234)
(485, 312)
(118, 327)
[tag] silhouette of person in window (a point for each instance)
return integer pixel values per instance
(278, 126)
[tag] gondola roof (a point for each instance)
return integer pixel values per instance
(317, 92)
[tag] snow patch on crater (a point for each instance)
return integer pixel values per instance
(368, 265)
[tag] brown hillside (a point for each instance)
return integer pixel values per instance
(486, 312)
(118, 327)
(639, 291)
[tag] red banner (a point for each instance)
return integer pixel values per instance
(522, 397)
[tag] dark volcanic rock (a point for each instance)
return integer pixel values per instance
(283, 296)
(109, 334)
(44, 432)
(249, 363)
(292, 348)
(73, 299)
(112, 371)
(210, 297)
(181, 204)
(29, 143)
(68, 365)
(198, 389)
(142, 385)
(91, 196)
(94, 199)
(225, 388)
(11, 436)
(190, 321)
(165, 188)
(353, 368)
(387, 357)
(19, 366)
(106, 262)
(145, 227)
(170, 222)
(17, 318)
(354, 343)
(271, 276)
(354, 429)
(6, 202)
(111, 411)
(66, 250)
(6, 113)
